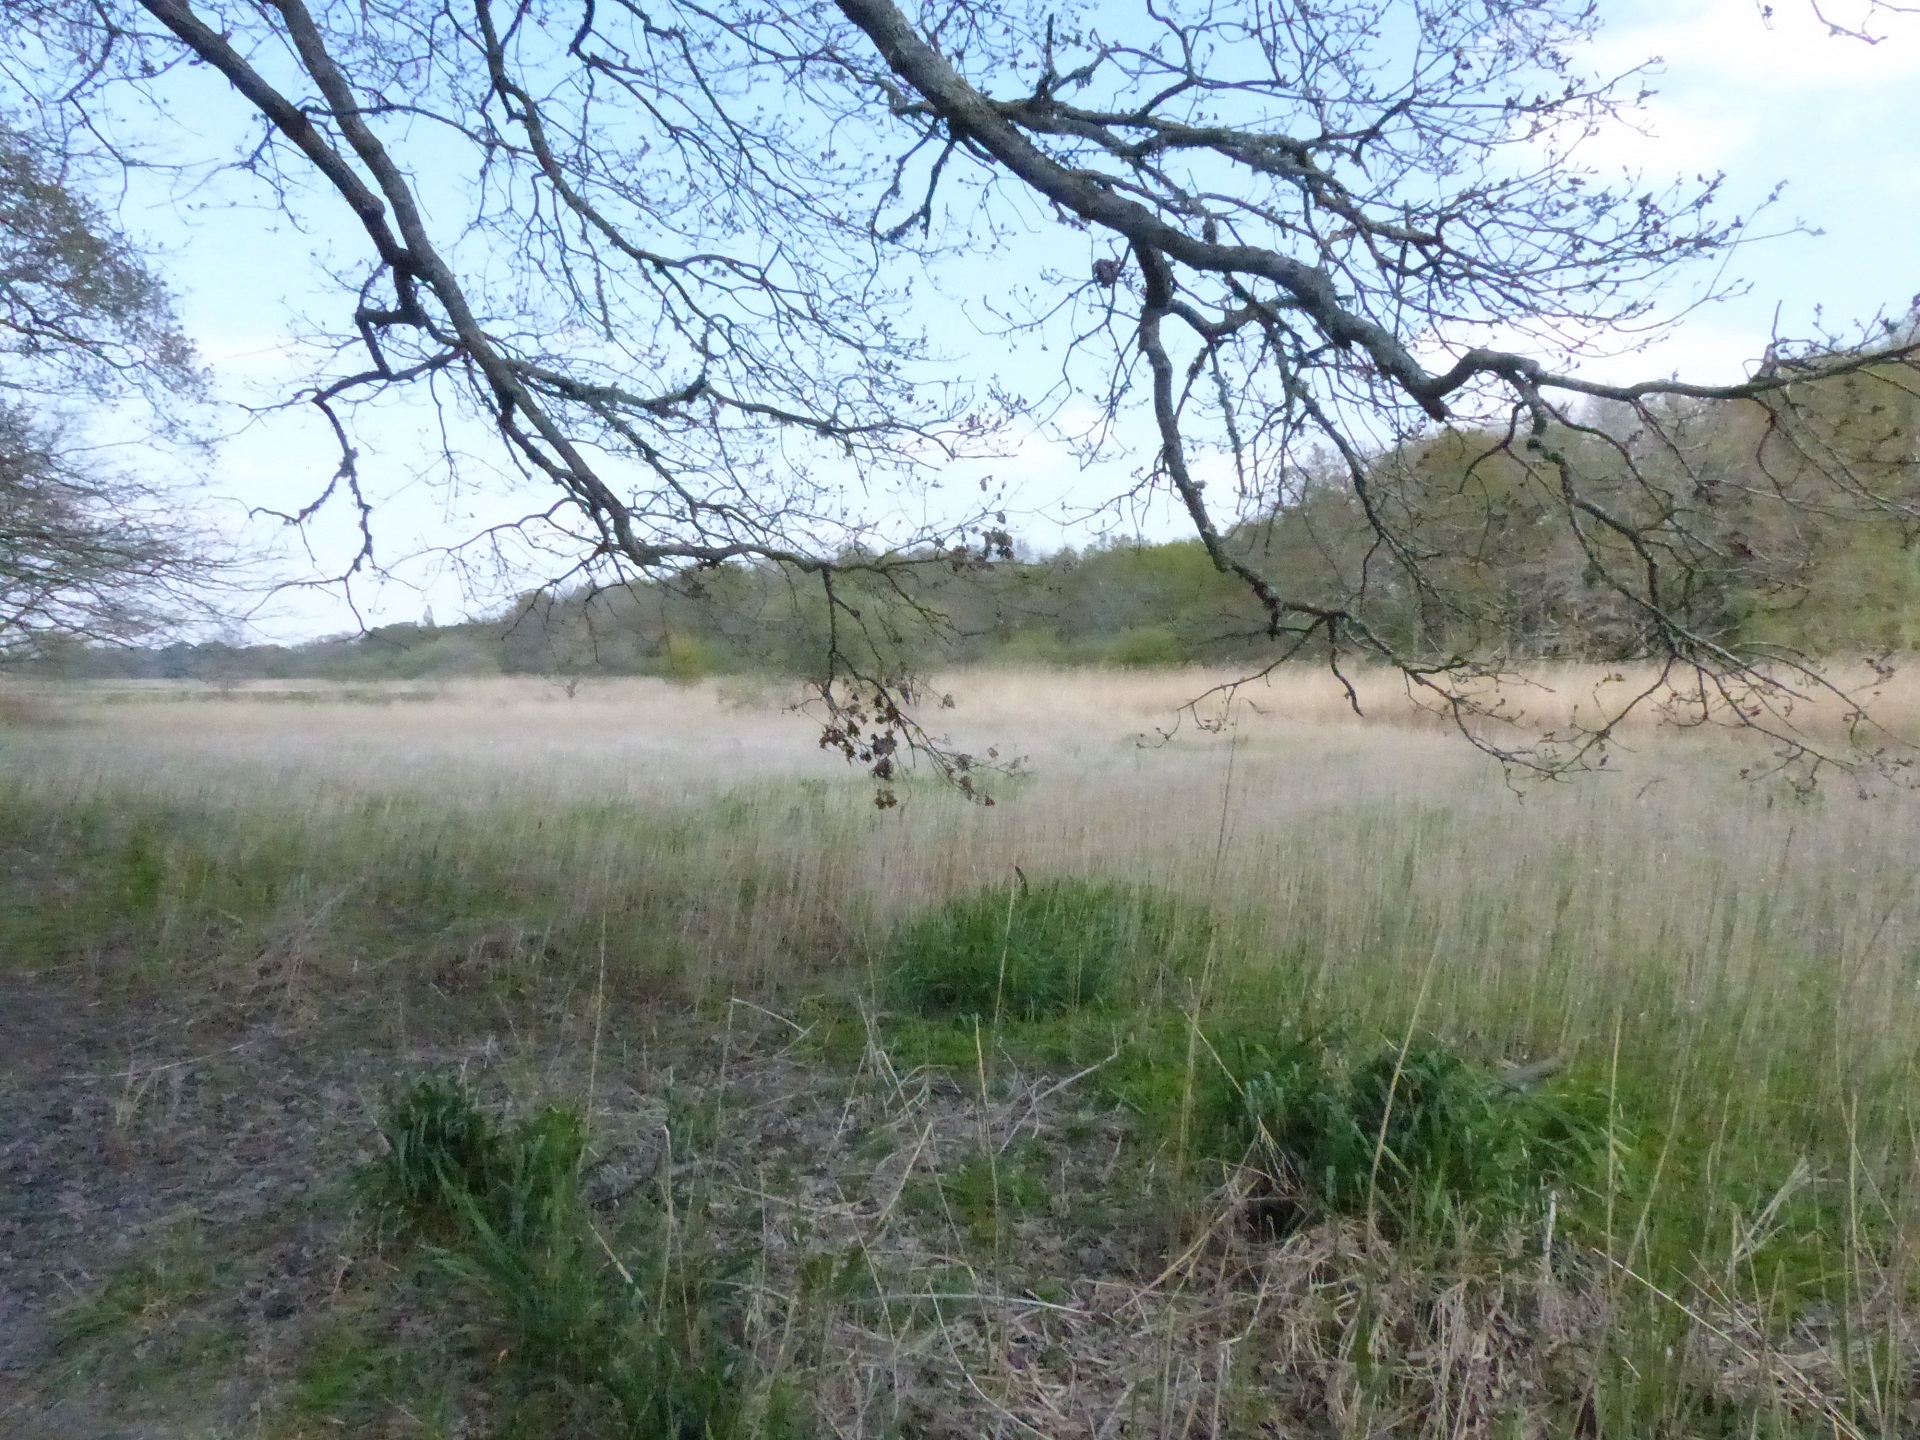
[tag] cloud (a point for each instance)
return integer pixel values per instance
(1735, 49)
(1736, 84)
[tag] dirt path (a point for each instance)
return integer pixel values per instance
(156, 1189)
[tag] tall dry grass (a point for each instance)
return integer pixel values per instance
(1363, 848)
(1735, 961)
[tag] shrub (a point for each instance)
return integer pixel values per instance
(1147, 647)
(1458, 1142)
(1045, 948)
(685, 659)
(1034, 645)
(443, 1151)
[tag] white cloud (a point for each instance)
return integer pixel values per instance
(1733, 47)
(1770, 99)
(1737, 89)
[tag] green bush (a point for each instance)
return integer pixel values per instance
(1147, 647)
(1047, 948)
(1459, 1142)
(685, 659)
(1033, 645)
(442, 1152)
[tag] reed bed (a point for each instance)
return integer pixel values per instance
(1366, 847)
(1731, 958)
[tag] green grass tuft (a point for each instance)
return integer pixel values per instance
(1423, 1140)
(590, 1344)
(1048, 948)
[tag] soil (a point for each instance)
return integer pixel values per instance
(177, 1216)
(123, 1136)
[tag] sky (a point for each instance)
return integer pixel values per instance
(1765, 97)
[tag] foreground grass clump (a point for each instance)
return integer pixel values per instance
(1419, 1136)
(592, 1343)
(1050, 947)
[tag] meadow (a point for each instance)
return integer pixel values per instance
(472, 1057)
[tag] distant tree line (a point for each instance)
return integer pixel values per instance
(1483, 573)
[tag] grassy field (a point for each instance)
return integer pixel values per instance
(472, 1059)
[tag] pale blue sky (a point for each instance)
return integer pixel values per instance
(1764, 100)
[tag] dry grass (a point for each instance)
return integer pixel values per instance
(1738, 959)
(1365, 846)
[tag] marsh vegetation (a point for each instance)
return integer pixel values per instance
(466, 1058)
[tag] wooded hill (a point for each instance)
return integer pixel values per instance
(1468, 552)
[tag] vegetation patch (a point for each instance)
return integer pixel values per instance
(1048, 947)
(1420, 1137)
(793, 1204)
(990, 1192)
(587, 1338)
(149, 1325)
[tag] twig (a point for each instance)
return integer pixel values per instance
(136, 1070)
(1054, 1089)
